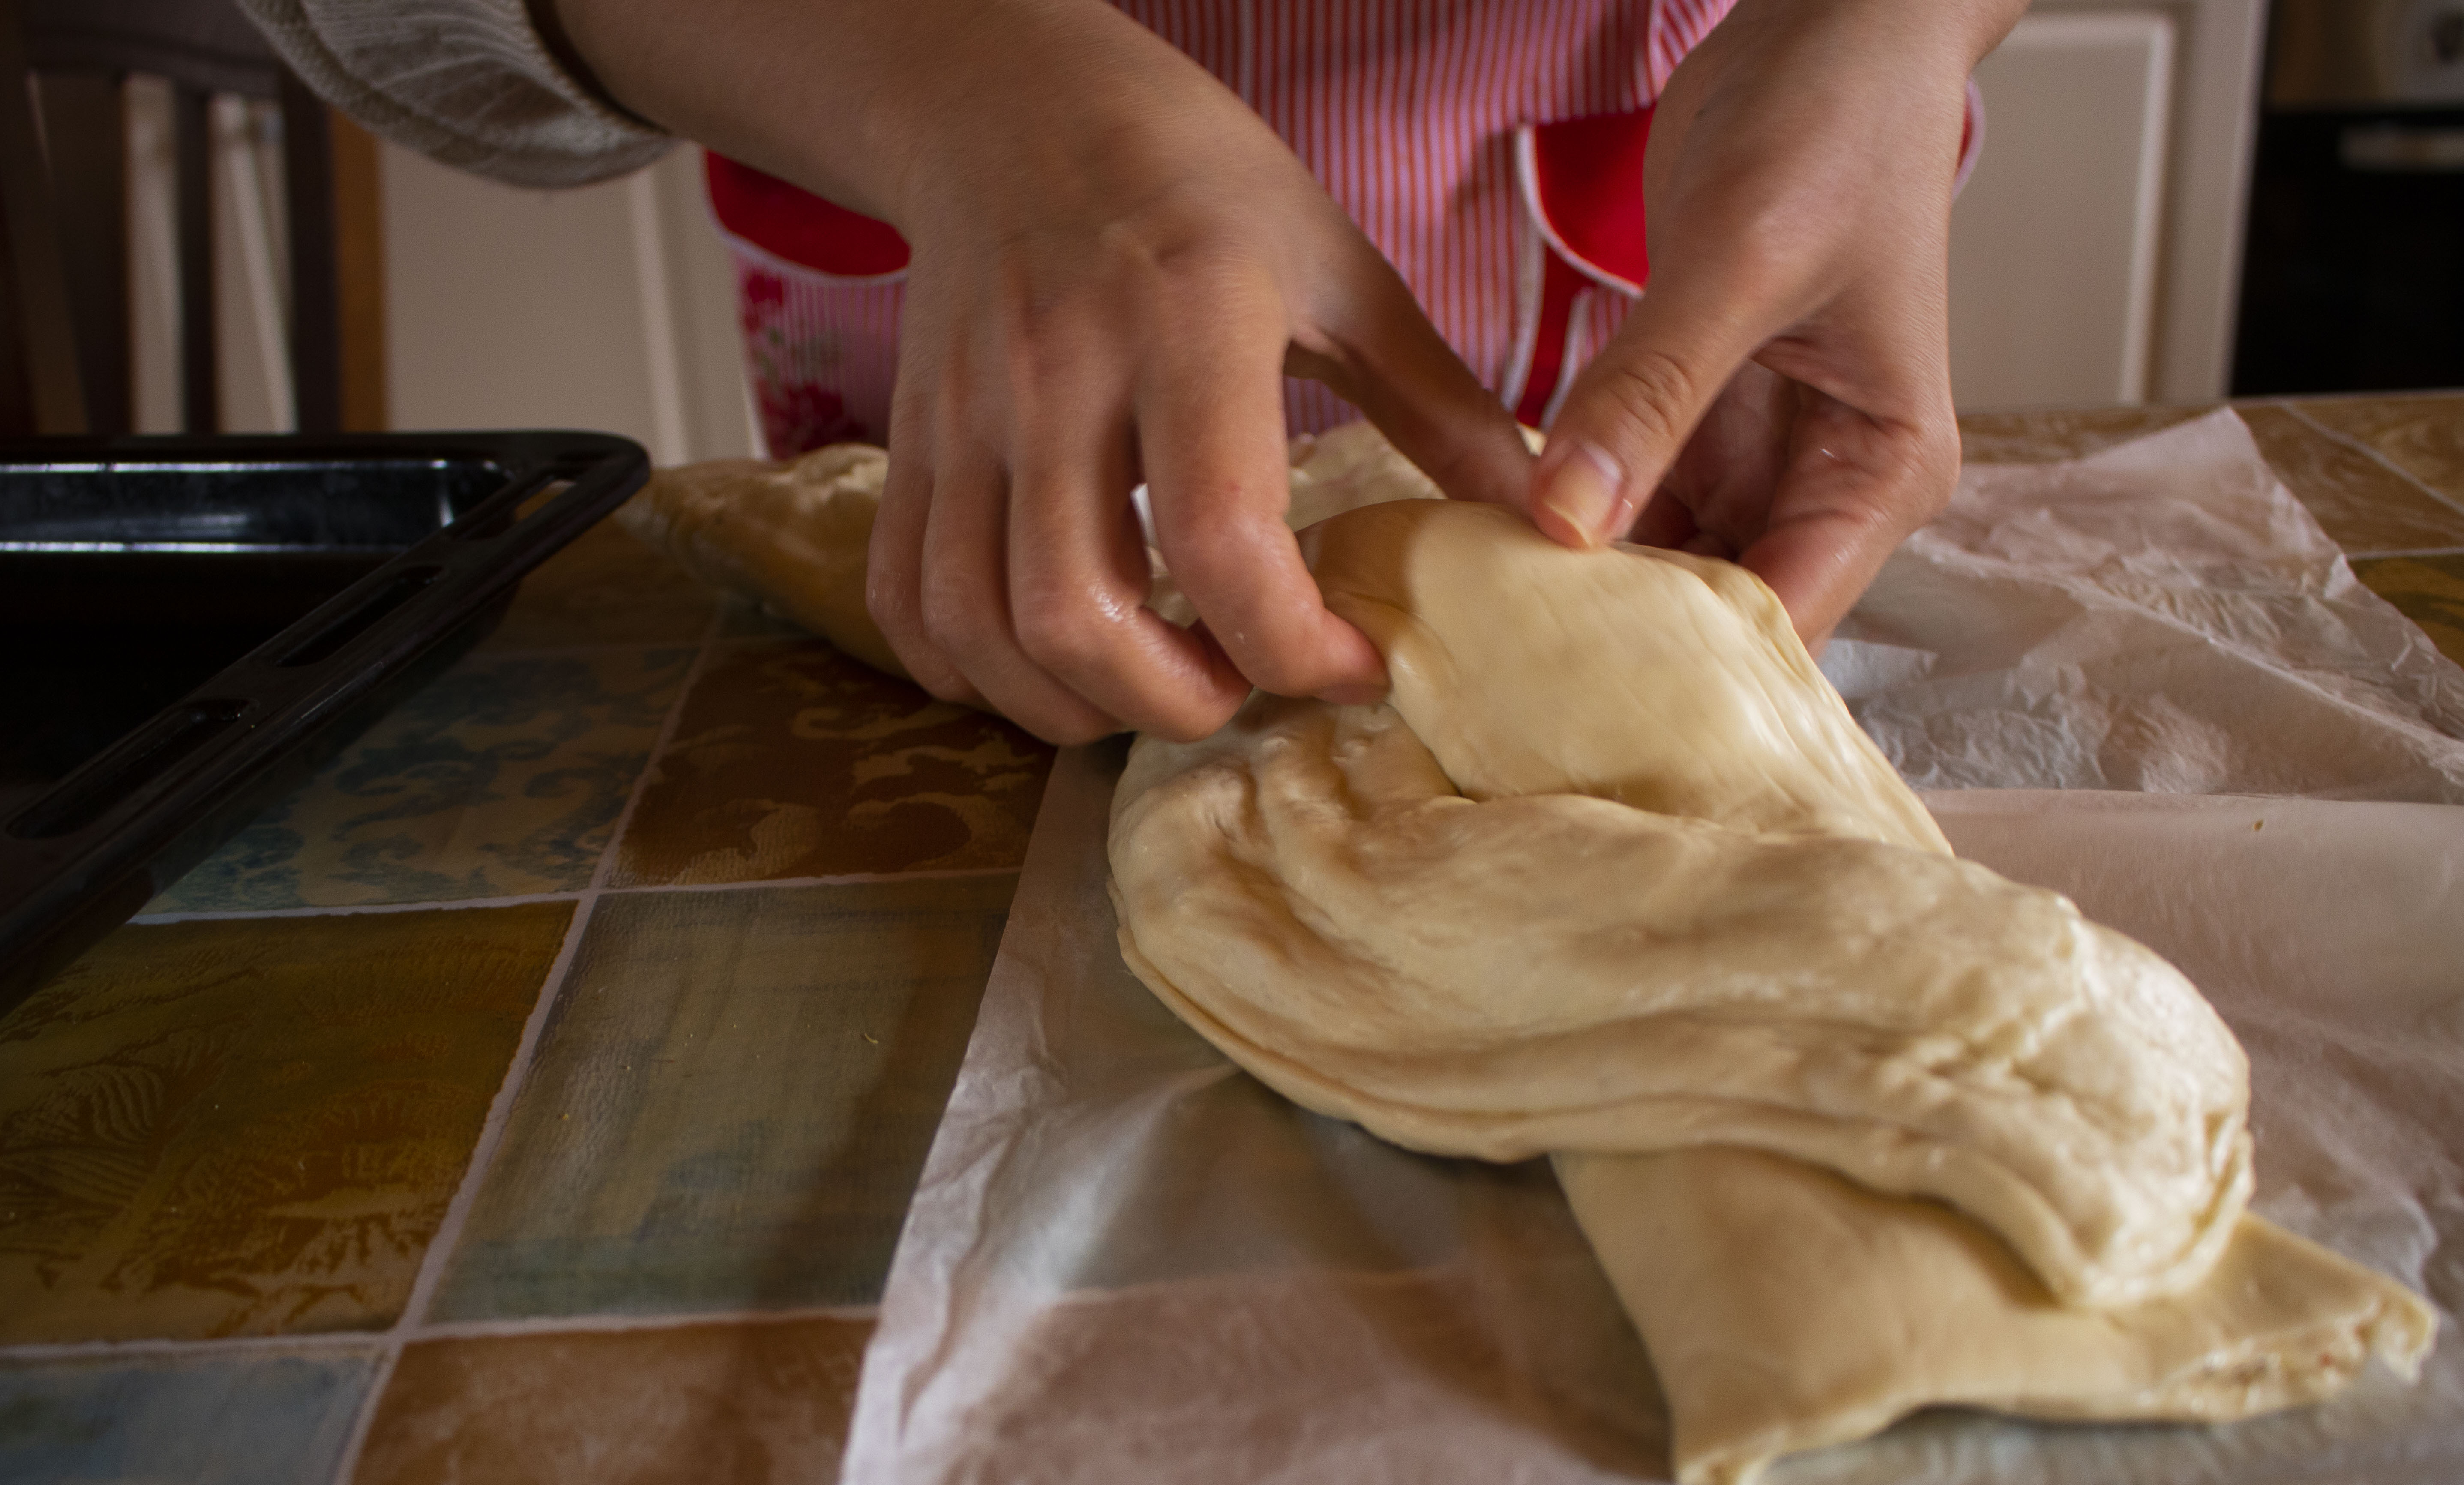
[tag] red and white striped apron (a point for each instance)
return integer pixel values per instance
(1493, 149)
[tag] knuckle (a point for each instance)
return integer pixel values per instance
(1651, 394)
(1925, 471)
(1273, 662)
(1067, 636)
(890, 600)
(1940, 450)
(944, 684)
(953, 620)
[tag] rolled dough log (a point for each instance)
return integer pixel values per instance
(792, 535)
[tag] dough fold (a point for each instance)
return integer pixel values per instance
(1542, 903)
(1787, 1309)
(1854, 1126)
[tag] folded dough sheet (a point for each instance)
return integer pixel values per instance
(1128, 1261)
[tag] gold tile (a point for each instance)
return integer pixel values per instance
(792, 760)
(746, 1404)
(604, 588)
(251, 1126)
(2429, 591)
(2361, 503)
(2424, 436)
(2049, 437)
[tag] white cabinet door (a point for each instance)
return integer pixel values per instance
(2053, 248)
(2096, 254)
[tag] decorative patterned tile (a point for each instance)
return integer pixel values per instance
(2424, 436)
(2429, 590)
(747, 1404)
(502, 779)
(605, 588)
(731, 1101)
(220, 1420)
(246, 1127)
(2046, 437)
(792, 760)
(2361, 503)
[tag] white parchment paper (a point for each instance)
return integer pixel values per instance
(2162, 616)
(1127, 1262)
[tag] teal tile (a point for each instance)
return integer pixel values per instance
(502, 779)
(732, 1101)
(221, 1420)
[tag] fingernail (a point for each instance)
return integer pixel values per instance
(1583, 493)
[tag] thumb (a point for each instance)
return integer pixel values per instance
(1631, 411)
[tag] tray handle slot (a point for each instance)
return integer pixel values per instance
(519, 502)
(81, 799)
(329, 640)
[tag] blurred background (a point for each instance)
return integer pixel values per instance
(2177, 201)
(2354, 276)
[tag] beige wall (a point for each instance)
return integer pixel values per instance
(607, 307)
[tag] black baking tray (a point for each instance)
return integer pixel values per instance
(190, 626)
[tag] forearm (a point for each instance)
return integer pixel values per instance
(1943, 39)
(867, 104)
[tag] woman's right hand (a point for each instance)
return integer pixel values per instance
(1115, 262)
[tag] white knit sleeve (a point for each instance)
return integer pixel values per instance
(467, 82)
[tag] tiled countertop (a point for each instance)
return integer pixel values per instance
(535, 1094)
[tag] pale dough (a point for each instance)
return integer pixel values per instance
(1615, 876)
(1787, 1309)
(791, 536)
(1619, 874)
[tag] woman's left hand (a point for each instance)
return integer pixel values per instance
(1781, 393)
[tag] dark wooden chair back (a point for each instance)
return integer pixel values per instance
(64, 318)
